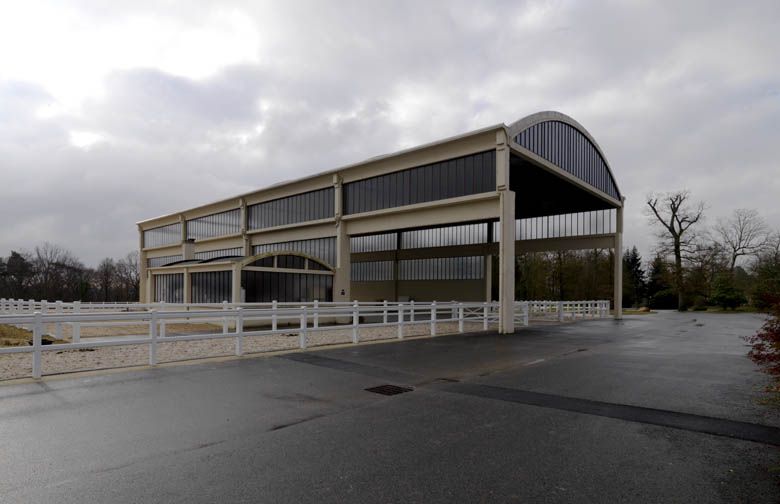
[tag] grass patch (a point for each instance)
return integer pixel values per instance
(631, 311)
(739, 309)
(14, 336)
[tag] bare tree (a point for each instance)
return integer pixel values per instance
(743, 234)
(105, 278)
(675, 213)
(128, 276)
(53, 267)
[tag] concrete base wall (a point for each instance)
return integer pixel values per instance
(420, 290)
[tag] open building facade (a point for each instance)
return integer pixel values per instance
(442, 221)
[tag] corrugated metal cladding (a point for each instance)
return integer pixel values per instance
(164, 235)
(564, 146)
(323, 249)
(154, 262)
(465, 234)
(439, 268)
(374, 271)
(218, 224)
(211, 254)
(211, 286)
(471, 174)
(446, 236)
(594, 222)
(373, 243)
(442, 268)
(169, 288)
(267, 286)
(290, 262)
(304, 207)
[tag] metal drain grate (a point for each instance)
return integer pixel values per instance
(389, 389)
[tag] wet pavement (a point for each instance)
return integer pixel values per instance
(656, 408)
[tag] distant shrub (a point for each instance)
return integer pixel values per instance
(664, 300)
(699, 304)
(725, 294)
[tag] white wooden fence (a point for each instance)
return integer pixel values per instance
(239, 321)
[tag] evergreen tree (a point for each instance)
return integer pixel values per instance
(660, 287)
(634, 283)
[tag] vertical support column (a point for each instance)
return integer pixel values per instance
(149, 286)
(396, 269)
(489, 276)
(235, 285)
(619, 262)
(341, 278)
(244, 227)
(142, 278)
(187, 287)
(187, 247)
(506, 244)
(488, 271)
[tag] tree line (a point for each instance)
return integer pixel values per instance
(54, 273)
(733, 262)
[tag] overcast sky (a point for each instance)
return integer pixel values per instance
(113, 112)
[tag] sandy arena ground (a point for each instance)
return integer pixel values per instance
(64, 361)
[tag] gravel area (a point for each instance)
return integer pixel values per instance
(64, 361)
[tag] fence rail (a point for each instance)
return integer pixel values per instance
(239, 321)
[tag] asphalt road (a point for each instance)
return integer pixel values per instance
(658, 408)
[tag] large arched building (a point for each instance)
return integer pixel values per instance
(431, 222)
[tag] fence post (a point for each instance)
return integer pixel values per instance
(224, 319)
(560, 311)
(460, 317)
(411, 310)
(485, 314)
(31, 306)
(153, 339)
(384, 313)
(302, 333)
(274, 306)
(525, 313)
(239, 331)
(316, 313)
(37, 333)
(433, 318)
(400, 321)
(355, 321)
(58, 325)
(76, 326)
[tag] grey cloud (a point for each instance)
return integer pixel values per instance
(676, 98)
